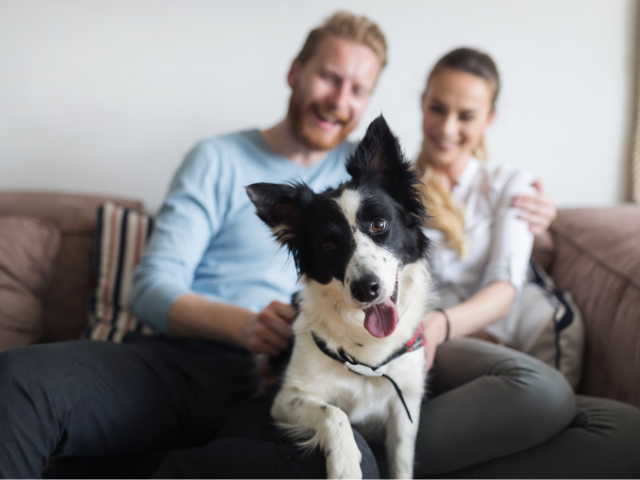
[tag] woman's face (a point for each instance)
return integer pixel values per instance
(456, 110)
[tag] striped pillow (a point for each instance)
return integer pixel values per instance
(121, 239)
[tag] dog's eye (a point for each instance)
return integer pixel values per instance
(327, 247)
(378, 225)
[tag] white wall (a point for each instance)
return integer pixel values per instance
(107, 96)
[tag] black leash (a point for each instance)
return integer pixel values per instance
(358, 368)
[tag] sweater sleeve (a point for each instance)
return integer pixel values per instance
(511, 239)
(191, 214)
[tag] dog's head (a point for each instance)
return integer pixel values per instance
(358, 237)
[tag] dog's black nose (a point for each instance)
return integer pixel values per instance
(366, 289)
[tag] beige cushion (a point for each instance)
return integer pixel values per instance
(28, 252)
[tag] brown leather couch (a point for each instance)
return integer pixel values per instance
(592, 252)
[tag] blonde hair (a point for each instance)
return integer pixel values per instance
(348, 26)
(444, 215)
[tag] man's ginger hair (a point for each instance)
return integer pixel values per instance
(348, 26)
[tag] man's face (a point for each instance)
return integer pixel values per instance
(330, 92)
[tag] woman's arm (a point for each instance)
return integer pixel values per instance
(489, 304)
(504, 273)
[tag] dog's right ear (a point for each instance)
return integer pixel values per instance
(280, 207)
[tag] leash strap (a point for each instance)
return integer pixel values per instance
(351, 364)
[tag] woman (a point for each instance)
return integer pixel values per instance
(494, 412)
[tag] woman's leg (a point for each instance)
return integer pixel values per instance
(487, 402)
(603, 441)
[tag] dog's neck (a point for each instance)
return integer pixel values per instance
(414, 343)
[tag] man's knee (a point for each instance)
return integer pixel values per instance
(16, 369)
(27, 376)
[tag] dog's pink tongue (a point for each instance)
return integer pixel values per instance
(380, 320)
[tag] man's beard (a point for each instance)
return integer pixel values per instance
(314, 138)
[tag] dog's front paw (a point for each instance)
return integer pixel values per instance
(344, 463)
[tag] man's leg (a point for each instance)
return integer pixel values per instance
(249, 458)
(89, 398)
(249, 445)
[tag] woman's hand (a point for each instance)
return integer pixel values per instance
(435, 332)
(539, 209)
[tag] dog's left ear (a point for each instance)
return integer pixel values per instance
(279, 206)
(379, 156)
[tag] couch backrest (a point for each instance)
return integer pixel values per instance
(75, 215)
(598, 260)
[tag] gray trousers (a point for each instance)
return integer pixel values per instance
(497, 413)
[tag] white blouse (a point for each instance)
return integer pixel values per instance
(498, 243)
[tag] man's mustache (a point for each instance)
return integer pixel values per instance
(331, 115)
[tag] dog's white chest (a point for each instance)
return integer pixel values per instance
(364, 399)
(365, 395)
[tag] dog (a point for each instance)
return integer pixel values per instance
(361, 257)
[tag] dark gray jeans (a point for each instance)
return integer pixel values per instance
(117, 409)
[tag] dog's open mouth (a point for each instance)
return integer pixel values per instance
(381, 319)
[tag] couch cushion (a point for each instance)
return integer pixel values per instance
(28, 252)
(65, 315)
(598, 260)
(121, 239)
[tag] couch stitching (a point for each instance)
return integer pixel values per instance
(17, 280)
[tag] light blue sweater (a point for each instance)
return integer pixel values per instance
(207, 237)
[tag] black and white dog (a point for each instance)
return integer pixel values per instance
(360, 254)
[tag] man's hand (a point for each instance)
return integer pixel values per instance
(434, 331)
(539, 209)
(269, 331)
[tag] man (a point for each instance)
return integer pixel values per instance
(212, 281)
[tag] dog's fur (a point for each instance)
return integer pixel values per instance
(339, 255)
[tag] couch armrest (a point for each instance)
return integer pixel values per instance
(598, 260)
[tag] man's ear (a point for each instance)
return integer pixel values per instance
(294, 71)
(279, 206)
